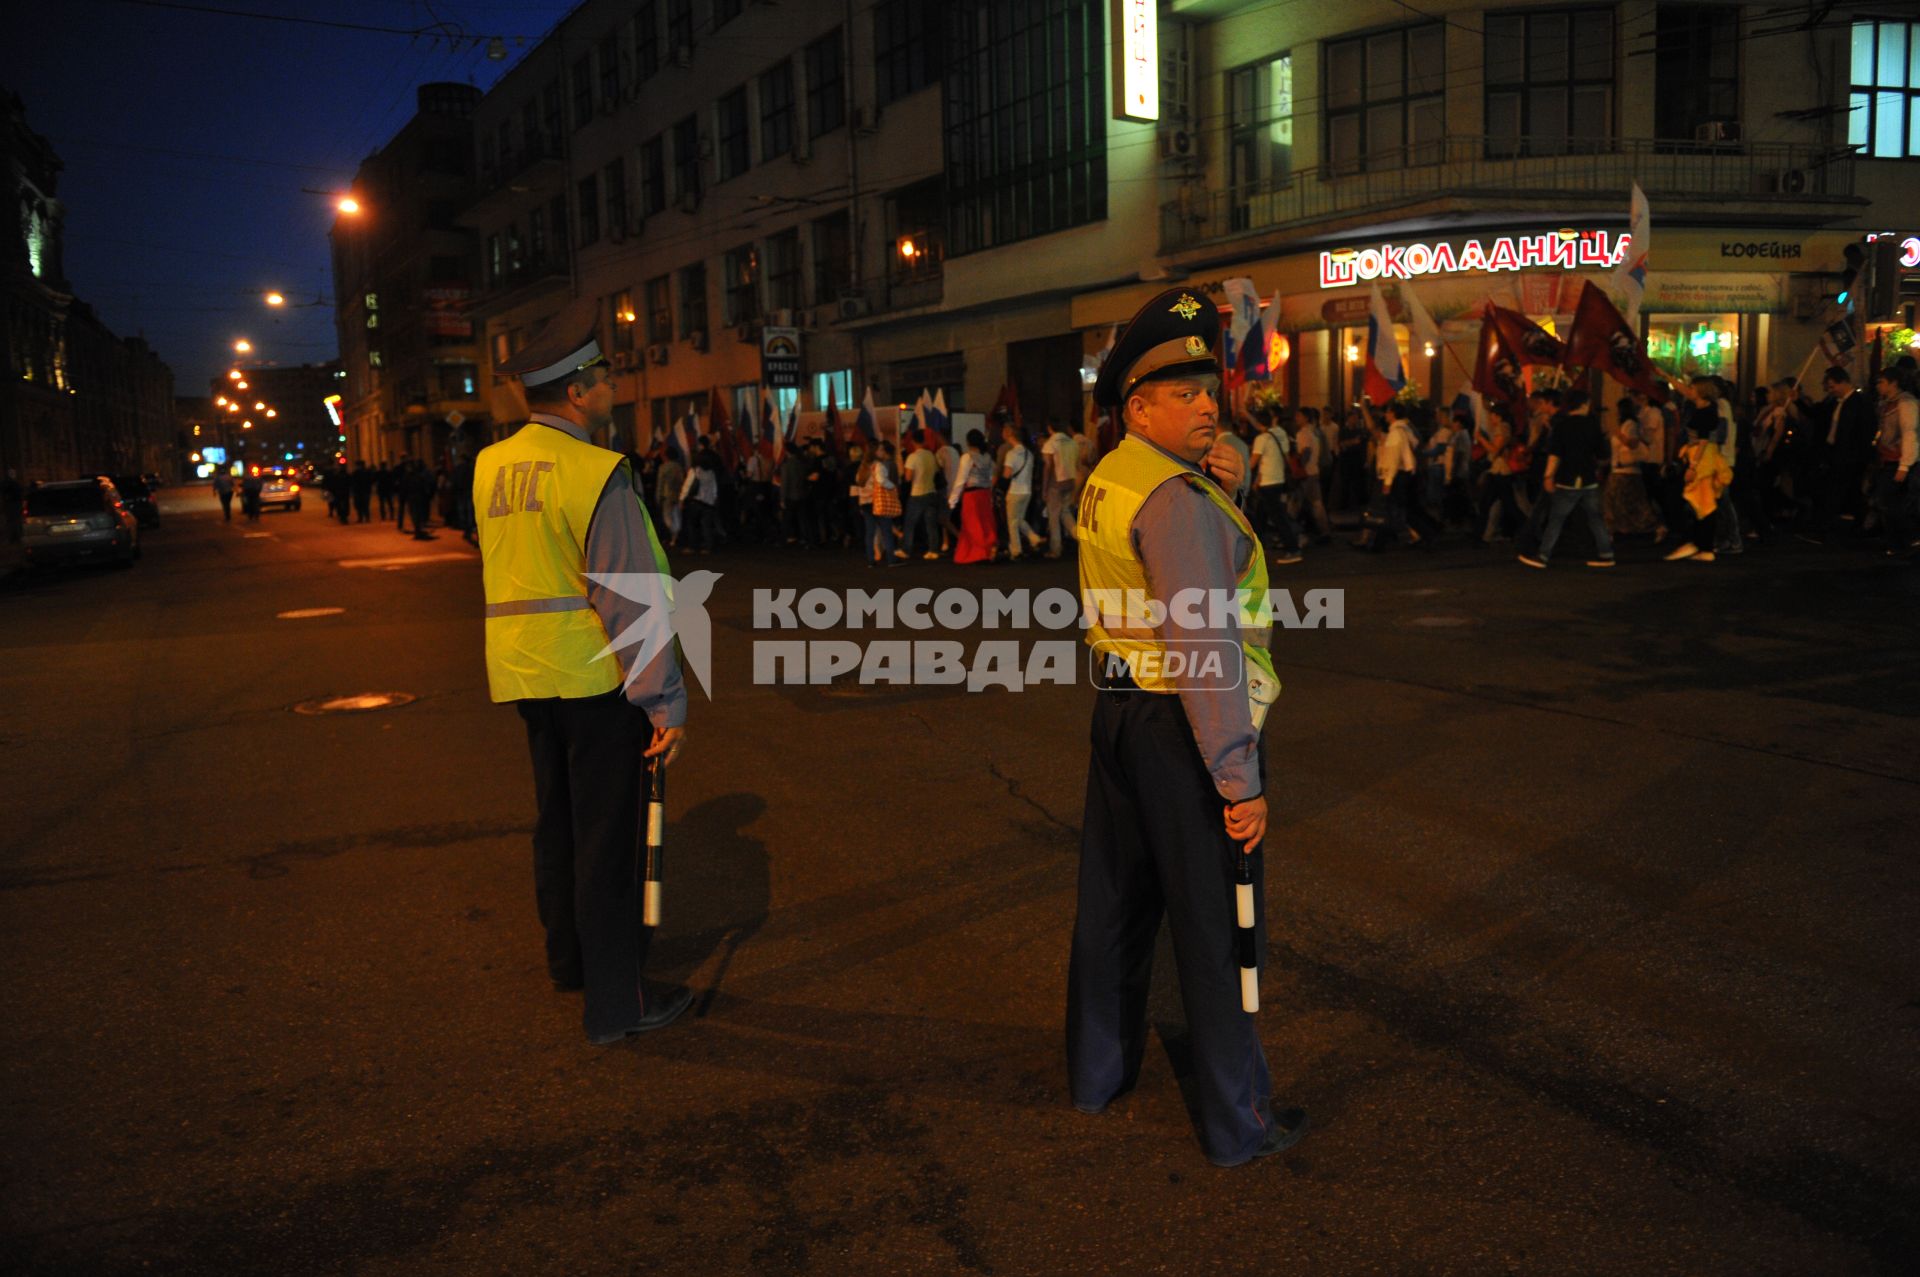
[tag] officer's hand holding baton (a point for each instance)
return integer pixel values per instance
(663, 750)
(1247, 825)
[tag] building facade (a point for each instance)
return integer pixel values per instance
(946, 196)
(75, 399)
(403, 272)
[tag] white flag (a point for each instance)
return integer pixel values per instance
(1630, 276)
(1424, 329)
(1244, 301)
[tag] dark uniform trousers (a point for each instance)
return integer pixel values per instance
(1153, 842)
(588, 769)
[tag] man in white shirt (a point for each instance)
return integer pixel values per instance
(1270, 516)
(1310, 446)
(1393, 461)
(1896, 450)
(1061, 457)
(1017, 468)
(923, 502)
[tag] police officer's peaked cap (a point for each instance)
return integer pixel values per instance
(1176, 332)
(569, 342)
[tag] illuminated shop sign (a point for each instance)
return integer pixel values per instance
(1565, 250)
(1136, 58)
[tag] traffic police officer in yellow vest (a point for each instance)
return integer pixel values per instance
(555, 511)
(1175, 786)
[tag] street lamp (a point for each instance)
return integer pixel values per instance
(348, 205)
(243, 347)
(233, 374)
(275, 298)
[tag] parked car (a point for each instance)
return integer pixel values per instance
(138, 495)
(79, 519)
(279, 488)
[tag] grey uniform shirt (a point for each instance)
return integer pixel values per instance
(1187, 542)
(618, 541)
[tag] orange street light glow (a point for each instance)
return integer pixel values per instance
(259, 407)
(242, 346)
(273, 412)
(276, 299)
(348, 205)
(233, 374)
(241, 384)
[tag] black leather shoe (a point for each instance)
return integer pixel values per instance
(660, 1005)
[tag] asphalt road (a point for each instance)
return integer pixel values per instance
(1593, 943)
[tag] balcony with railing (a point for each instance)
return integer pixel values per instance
(1485, 172)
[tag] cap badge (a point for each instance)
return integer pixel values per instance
(1186, 307)
(1197, 346)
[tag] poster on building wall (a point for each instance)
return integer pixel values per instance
(446, 312)
(1714, 292)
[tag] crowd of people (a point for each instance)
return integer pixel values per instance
(408, 489)
(1701, 476)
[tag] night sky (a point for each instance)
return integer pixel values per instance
(187, 137)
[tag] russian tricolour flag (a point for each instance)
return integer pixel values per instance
(867, 423)
(1384, 375)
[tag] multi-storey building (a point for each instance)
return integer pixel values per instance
(403, 274)
(950, 196)
(75, 399)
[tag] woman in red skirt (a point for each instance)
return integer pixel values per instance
(972, 493)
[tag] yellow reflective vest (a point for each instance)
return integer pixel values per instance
(533, 496)
(1113, 581)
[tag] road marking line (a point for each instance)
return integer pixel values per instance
(408, 560)
(256, 536)
(302, 613)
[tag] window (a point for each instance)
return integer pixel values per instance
(783, 271)
(582, 90)
(496, 263)
(615, 178)
(1883, 102)
(903, 53)
(776, 110)
(653, 175)
(686, 157)
(489, 160)
(735, 148)
(458, 381)
(1549, 82)
(440, 215)
(646, 41)
(833, 388)
(551, 98)
(515, 259)
(538, 250)
(826, 85)
(916, 232)
(1383, 103)
(693, 299)
(832, 257)
(1260, 131)
(589, 205)
(609, 59)
(725, 11)
(659, 309)
(531, 137)
(1025, 110)
(1696, 69)
(620, 311)
(743, 285)
(504, 139)
(679, 26)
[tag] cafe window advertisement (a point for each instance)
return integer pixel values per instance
(1695, 345)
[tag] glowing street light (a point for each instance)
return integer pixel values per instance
(348, 205)
(220, 401)
(246, 425)
(273, 412)
(241, 384)
(259, 407)
(243, 347)
(233, 374)
(909, 249)
(276, 298)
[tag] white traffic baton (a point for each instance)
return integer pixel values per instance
(656, 841)
(1244, 943)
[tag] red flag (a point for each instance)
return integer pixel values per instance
(720, 426)
(1496, 372)
(832, 431)
(1601, 340)
(1527, 341)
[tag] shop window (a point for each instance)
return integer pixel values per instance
(1549, 82)
(1883, 103)
(1695, 345)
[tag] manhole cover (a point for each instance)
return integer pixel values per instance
(305, 613)
(356, 704)
(1442, 622)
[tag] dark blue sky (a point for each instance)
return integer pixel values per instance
(187, 138)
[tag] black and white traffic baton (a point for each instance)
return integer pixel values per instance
(1243, 938)
(656, 841)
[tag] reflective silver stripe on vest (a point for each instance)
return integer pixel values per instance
(529, 607)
